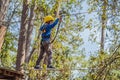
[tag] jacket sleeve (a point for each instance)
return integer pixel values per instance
(54, 23)
(42, 27)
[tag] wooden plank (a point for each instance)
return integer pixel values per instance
(4, 79)
(11, 73)
(7, 73)
(0, 71)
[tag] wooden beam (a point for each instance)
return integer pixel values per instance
(8, 74)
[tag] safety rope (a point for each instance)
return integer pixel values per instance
(56, 32)
(58, 13)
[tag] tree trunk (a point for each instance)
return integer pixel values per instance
(2, 34)
(22, 38)
(29, 33)
(3, 10)
(34, 48)
(104, 16)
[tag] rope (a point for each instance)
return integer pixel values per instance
(58, 13)
(56, 33)
(62, 69)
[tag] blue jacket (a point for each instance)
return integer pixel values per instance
(46, 30)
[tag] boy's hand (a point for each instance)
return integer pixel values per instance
(60, 18)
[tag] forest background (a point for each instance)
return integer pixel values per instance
(87, 46)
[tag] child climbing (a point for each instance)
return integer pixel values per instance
(45, 40)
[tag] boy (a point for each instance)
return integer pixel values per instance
(45, 41)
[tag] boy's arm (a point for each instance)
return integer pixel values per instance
(54, 23)
(41, 28)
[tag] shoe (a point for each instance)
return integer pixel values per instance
(37, 67)
(50, 66)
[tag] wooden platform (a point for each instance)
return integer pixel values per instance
(6, 74)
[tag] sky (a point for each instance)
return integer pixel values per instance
(90, 47)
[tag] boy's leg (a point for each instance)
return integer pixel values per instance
(48, 50)
(49, 53)
(42, 51)
(46, 59)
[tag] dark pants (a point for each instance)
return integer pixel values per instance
(45, 47)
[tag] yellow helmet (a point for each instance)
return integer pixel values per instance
(48, 18)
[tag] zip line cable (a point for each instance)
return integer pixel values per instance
(85, 69)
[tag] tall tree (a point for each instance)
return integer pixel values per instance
(3, 10)
(106, 65)
(29, 31)
(104, 20)
(2, 34)
(22, 37)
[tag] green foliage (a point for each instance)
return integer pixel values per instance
(8, 49)
(68, 51)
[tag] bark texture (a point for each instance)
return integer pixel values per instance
(3, 10)
(29, 33)
(22, 38)
(2, 34)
